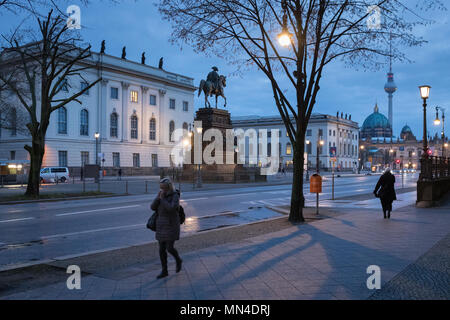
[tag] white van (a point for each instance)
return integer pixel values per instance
(51, 174)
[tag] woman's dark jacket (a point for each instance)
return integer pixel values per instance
(168, 221)
(386, 188)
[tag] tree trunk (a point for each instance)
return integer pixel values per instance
(36, 155)
(297, 197)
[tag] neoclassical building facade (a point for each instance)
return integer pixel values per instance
(133, 110)
(339, 132)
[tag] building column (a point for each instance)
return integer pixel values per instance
(125, 98)
(161, 134)
(143, 116)
(103, 114)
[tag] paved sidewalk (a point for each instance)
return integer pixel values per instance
(324, 259)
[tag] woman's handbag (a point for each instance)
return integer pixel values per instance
(151, 223)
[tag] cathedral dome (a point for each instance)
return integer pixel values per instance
(406, 129)
(376, 125)
(407, 133)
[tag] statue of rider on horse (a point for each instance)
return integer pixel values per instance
(214, 84)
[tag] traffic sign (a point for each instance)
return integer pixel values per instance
(333, 152)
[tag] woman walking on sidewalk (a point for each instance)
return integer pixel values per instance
(386, 192)
(166, 204)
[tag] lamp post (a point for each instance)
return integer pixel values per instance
(307, 164)
(425, 93)
(96, 135)
(284, 37)
(437, 122)
(391, 152)
(362, 156)
(319, 144)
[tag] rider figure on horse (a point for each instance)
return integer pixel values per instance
(213, 77)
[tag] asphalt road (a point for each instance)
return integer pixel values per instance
(46, 230)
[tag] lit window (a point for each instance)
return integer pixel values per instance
(288, 148)
(134, 96)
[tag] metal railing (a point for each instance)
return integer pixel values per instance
(433, 168)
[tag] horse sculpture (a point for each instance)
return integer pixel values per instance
(208, 89)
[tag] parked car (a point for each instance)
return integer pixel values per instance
(51, 174)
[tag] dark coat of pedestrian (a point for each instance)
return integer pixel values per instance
(120, 173)
(166, 204)
(386, 192)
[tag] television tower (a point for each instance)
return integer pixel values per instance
(390, 87)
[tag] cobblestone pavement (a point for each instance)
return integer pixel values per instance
(324, 259)
(426, 279)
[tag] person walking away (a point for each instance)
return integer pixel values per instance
(120, 174)
(386, 192)
(166, 204)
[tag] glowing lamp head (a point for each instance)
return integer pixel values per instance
(425, 91)
(186, 142)
(97, 135)
(284, 38)
(437, 122)
(321, 142)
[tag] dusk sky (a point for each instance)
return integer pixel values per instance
(138, 26)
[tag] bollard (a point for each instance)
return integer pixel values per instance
(98, 186)
(146, 187)
(126, 187)
(84, 186)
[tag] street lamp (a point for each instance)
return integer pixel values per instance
(96, 135)
(437, 122)
(320, 143)
(284, 37)
(425, 94)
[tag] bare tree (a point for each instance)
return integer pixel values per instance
(318, 32)
(43, 69)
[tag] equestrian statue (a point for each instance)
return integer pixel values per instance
(213, 85)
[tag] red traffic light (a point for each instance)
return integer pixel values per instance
(429, 152)
(397, 161)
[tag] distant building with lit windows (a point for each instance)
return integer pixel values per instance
(336, 131)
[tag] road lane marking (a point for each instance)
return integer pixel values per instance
(91, 231)
(193, 199)
(96, 210)
(14, 220)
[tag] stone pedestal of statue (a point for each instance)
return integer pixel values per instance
(224, 172)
